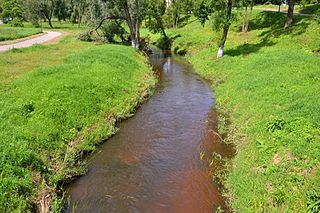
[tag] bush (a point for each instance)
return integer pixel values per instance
(85, 36)
(16, 22)
(112, 29)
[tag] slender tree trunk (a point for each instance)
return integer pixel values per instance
(50, 23)
(279, 7)
(130, 23)
(290, 14)
(223, 41)
(79, 18)
(137, 44)
(246, 20)
(177, 21)
(225, 29)
(48, 17)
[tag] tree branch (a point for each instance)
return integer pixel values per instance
(104, 19)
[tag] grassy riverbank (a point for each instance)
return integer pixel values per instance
(268, 84)
(56, 103)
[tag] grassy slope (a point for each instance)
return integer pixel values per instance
(58, 106)
(269, 85)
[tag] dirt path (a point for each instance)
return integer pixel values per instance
(27, 43)
(284, 11)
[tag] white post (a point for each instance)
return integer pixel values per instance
(220, 52)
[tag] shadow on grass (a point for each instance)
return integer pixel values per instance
(311, 9)
(272, 26)
(247, 49)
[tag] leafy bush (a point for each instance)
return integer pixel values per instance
(85, 36)
(112, 29)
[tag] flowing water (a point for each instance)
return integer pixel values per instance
(155, 163)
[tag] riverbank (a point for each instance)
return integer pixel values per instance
(268, 85)
(57, 103)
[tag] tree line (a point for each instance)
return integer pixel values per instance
(157, 15)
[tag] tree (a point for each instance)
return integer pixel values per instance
(132, 11)
(156, 9)
(47, 8)
(33, 11)
(175, 9)
(202, 12)
(223, 21)
(222, 17)
(12, 12)
(41, 9)
(61, 10)
(80, 7)
(290, 14)
(248, 6)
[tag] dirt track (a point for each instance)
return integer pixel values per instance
(27, 43)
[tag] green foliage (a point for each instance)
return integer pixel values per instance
(47, 108)
(112, 29)
(12, 12)
(202, 12)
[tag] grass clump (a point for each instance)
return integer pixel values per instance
(52, 115)
(269, 84)
(12, 33)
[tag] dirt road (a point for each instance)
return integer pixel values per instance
(27, 43)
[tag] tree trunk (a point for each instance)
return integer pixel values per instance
(279, 7)
(177, 22)
(131, 24)
(48, 17)
(246, 20)
(137, 45)
(50, 23)
(79, 18)
(225, 29)
(290, 14)
(224, 39)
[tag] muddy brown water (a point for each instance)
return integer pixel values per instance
(154, 164)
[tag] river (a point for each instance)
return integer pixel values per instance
(155, 163)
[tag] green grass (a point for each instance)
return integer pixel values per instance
(12, 33)
(268, 85)
(307, 9)
(57, 108)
